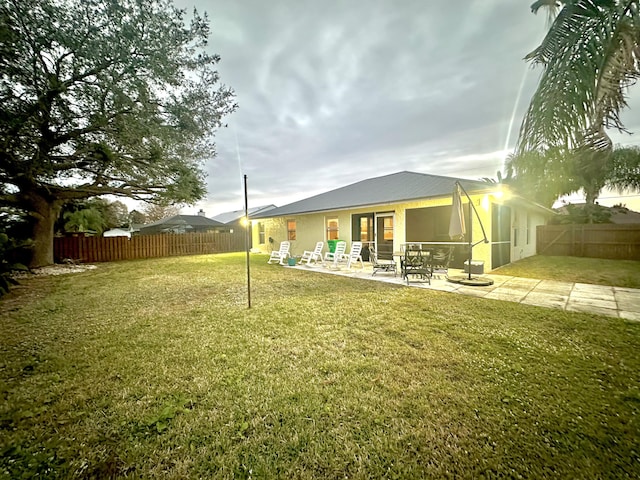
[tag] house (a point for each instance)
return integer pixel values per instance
(407, 207)
(182, 224)
(116, 232)
(575, 213)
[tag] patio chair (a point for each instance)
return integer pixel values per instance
(381, 265)
(281, 255)
(440, 261)
(416, 262)
(314, 255)
(333, 257)
(354, 256)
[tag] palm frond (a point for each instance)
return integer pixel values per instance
(590, 57)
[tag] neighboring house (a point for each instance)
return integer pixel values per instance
(135, 228)
(406, 207)
(117, 232)
(617, 214)
(182, 224)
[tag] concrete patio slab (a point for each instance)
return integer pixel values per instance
(628, 301)
(604, 295)
(544, 299)
(599, 301)
(590, 288)
(553, 286)
(580, 307)
(634, 316)
(528, 283)
(509, 295)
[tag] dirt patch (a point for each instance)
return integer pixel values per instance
(58, 269)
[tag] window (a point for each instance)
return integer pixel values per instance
(387, 228)
(260, 232)
(516, 228)
(365, 229)
(332, 228)
(291, 229)
(528, 229)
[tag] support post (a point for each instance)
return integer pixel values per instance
(247, 242)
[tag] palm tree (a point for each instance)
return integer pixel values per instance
(625, 169)
(590, 58)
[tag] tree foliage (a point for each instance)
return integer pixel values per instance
(154, 211)
(624, 169)
(116, 215)
(590, 57)
(103, 97)
(92, 215)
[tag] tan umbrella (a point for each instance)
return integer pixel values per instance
(456, 223)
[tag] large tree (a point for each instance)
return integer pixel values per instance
(154, 211)
(103, 97)
(590, 57)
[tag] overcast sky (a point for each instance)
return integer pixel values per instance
(333, 92)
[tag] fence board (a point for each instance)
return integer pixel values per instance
(101, 249)
(612, 241)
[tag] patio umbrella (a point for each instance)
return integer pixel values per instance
(457, 230)
(456, 223)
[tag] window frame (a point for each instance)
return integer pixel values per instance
(328, 230)
(291, 232)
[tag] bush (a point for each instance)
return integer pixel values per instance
(10, 249)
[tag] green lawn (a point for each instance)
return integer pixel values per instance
(618, 273)
(156, 368)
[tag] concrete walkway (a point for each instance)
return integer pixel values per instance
(576, 297)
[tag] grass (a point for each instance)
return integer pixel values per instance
(156, 368)
(617, 273)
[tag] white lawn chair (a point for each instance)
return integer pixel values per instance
(333, 257)
(281, 255)
(314, 255)
(353, 256)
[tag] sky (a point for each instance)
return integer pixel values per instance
(333, 92)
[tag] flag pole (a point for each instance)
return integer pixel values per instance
(470, 231)
(247, 242)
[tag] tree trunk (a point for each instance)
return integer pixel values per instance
(44, 214)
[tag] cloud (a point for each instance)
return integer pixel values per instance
(334, 92)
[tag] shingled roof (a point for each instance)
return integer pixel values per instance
(195, 222)
(388, 189)
(230, 217)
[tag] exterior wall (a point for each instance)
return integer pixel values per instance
(523, 237)
(311, 228)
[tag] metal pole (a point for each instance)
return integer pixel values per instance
(247, 242)
(470, 230)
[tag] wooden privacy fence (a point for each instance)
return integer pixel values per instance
(101, 249)
(613, 241)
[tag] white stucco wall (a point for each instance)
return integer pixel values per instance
(523, 232)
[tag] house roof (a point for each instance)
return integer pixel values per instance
(393, 188)
(182, 220)
(230, 217)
